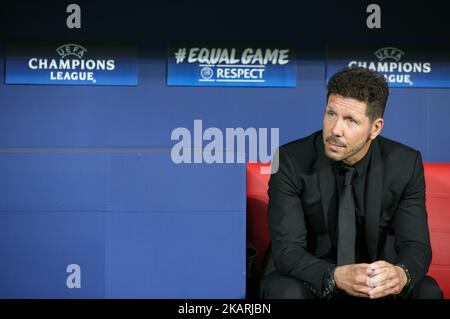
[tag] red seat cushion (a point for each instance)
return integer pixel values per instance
(437, 176)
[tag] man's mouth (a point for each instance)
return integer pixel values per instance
(334, 144)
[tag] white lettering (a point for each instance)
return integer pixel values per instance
(213, 152)
(74, 279)
(74, 19)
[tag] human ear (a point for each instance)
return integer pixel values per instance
(377, 125)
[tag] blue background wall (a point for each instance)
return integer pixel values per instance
(138, 224)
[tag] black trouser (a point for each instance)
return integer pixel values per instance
(277, 286)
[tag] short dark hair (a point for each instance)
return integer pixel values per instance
(363, 85)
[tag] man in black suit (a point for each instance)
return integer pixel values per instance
(347, 209)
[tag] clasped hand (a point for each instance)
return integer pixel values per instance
(375, 280)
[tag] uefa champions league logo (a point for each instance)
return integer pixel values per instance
(68, 63)
(390, 62)
(71, 65)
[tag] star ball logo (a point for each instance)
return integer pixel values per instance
(392, 65)
(206, 73)
(71, 64)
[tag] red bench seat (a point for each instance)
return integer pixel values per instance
(437, 177)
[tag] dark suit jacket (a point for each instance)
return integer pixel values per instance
(300, 193)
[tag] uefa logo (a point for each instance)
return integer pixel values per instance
(71, 49)
(389, 53)
(206, 73)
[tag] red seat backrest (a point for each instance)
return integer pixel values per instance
(437, 178)
(257, 200)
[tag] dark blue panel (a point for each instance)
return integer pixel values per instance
(439, 125)
(60, 182)
(36, 248)
(405, 118)
(40, 114)
(185, 254)
(151, 181)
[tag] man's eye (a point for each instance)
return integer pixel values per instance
(330, 113)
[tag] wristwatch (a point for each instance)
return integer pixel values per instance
(329, 288)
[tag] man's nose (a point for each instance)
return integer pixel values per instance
(337, 128)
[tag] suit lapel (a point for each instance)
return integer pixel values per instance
(373, 200)
(326, 184)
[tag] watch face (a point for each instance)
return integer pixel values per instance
(331, 285)
(330, 288)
